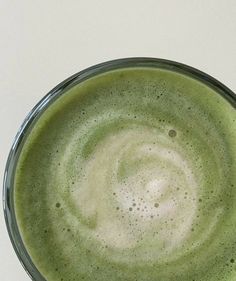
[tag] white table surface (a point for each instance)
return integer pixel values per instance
(44, 42)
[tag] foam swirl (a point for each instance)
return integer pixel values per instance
(137, 193)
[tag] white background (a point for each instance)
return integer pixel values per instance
(44, 42)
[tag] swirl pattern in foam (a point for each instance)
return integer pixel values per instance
(131, 177)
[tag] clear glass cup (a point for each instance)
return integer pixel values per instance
(37, 111)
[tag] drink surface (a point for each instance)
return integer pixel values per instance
(131, 175)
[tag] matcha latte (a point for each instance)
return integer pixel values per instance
(127, 171)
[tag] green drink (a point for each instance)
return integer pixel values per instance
(131, 175)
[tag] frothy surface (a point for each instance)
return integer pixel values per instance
(131, 176)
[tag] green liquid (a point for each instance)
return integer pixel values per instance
(131, 175)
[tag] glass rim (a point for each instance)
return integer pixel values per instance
(47, 100)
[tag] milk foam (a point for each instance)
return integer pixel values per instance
(131, 176)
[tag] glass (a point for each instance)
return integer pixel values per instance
(36, 112)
